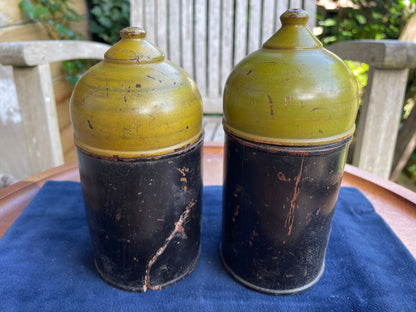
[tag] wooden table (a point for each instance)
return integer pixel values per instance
(396, 204)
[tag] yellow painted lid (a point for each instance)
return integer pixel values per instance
(135, 103)
(292, 91)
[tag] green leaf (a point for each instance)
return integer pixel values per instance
(96, 11)
(63, 31)
(28, 8)
(105, 21)
(361, 19)
(412, 169)
(40, 10)
(329, 40)
(347, 33)
(328, 22)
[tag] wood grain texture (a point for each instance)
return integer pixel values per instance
(310, 7)
(174, 31)
(406, 143)
(281, 7)
(149, 17)
(32, 53)
(38, 111)
(225, 47)
(254, 26)
(200, 46)
(240, 33)
(162, 26)
(378, 127)
(36, 93)
(379, 121)
(385, 54)
(186, 28)
(268, 20)
(213, 70)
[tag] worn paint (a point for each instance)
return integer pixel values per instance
(291, 215)
(161, 107)
(306, 87)
(141, 217)
(177, 229)
(272, 212)
(138, 133)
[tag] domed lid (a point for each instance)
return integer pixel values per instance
(292, 91)
(135, 103)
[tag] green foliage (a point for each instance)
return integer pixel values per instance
(108, 17)
(375, 19)
(410, 169)
(75, 69)
(55, 16)
(360, 72)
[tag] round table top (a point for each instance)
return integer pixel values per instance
(396, 204)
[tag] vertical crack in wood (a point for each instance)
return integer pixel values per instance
(178, 228)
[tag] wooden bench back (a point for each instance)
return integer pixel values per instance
(208, 37)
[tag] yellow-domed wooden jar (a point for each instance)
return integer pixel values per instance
(137, 122)
(289, 114)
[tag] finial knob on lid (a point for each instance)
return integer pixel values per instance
(133, 33)
(294, 17)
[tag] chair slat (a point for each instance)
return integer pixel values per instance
(200, 39)
(310, 7)
(240, 35)
(226, 41)
(150, 21)
(161, 25)
(136, 13)
(214, 20)
(281, 7)
(187, 36)
(174, 52)
(254, 31)
(296, 4)
(268, 20)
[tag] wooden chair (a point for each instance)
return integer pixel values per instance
(379, 122)
(31, 70)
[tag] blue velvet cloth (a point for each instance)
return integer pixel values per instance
(46, 264)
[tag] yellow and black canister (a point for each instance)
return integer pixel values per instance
(137, 122)
(289, 116)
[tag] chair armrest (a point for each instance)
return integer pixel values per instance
(390, 61)
(33, 53)
(386, 54)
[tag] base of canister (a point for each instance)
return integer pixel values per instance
(277, 292)
(144, 288)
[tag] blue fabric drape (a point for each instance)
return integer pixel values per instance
(46, 264)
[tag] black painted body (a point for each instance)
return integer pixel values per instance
(144, 217)
(278, 205)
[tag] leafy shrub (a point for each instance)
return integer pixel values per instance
(107, 18)
(55, 16)
(375, 19)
